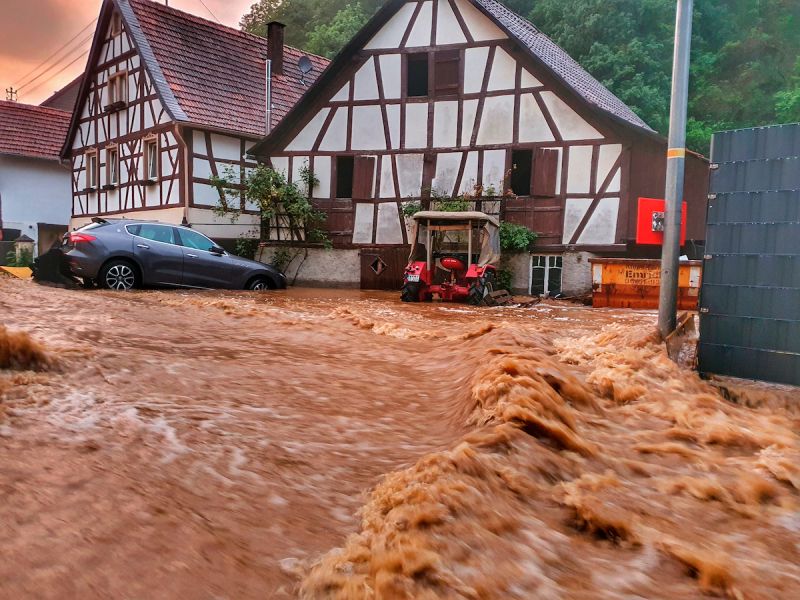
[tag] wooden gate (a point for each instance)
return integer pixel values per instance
(382, 267)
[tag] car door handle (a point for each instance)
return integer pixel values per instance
(191, 255)
(145, 246)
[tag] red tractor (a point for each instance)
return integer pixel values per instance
(453, 256)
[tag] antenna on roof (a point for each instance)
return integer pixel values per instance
(305, 65)
(11, 94)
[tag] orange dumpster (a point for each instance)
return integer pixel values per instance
(634, 283)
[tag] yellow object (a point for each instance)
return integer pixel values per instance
(676, 153)
(19, 272)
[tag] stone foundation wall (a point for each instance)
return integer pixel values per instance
(319, 268)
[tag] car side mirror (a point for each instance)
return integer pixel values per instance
(217, 250)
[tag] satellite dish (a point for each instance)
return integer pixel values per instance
(305, 65)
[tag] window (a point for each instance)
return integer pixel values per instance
(344, 176)
(118, 88)
(157, 233)
(112, 166)
(521, 165)
(91, 170)
(446, 72)
(545, 172)
(195, 240)
(151, 160)
(116, 24)
(417, 75)
(546, 275)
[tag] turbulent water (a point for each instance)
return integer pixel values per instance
(344, 445)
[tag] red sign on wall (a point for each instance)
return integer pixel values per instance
(650, 222)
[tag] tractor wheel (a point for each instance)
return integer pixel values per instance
(410, 292)
(480, 291)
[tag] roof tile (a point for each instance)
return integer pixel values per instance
(216, 73)
(35, 131)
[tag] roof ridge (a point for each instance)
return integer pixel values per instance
(215, 25)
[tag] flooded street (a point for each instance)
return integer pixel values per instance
(330, 444)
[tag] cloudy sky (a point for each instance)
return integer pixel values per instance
(32, 30)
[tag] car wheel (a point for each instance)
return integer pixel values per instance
(119, 275)
(259, 284)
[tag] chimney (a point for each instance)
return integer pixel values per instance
(275, 46)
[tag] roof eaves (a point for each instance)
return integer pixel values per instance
(149, 59)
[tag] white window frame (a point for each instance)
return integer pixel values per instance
(90, 163)
(547, 267)
(112, 166)
(151, 155)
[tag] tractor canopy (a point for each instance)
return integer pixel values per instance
(451, 224)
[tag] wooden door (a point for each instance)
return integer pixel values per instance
(382, 268)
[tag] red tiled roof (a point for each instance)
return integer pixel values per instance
(216, 73)
(36, 131)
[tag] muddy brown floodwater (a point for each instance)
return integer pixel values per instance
(344, 445)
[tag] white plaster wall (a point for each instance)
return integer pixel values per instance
(367, 131)
(532, 125)
(336, 136)
(527, 80)
(448, 30)
(445, 124)
(409, 174)
(343, 95)
(388, 229)
(497, 121)
(469, 110)
(362, 228)
(602, 226)
(226, 147)
(298, 162)
(34, 191)
(387, 179)
(574, 210)
(365, 83)
(421, 32)
(306, 138)
(470, 177)
(609, 153)
(391, 74)
(416, 125)
(447, 164)
(322, 171)
(570, 124)
(481, 28)
(474, 68)
(391, 34)
(504, 71)
(280, 164)
(393, 119)
(494, 167)
(579, 175)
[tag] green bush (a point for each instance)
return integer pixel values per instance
(246, 247)
(25, 259)
(516, 238)
(503, 279)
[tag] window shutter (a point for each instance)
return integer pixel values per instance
(363, 177)
(545, 171)
(446, 72)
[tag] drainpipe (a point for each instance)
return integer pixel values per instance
(187, 185)
(268, 95)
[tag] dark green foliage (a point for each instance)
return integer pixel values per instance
(745, 67)
(246, 247)
(25, 259)
(503, 279)
(516, 238)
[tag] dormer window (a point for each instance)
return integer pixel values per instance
(118, 90)
(116, 24)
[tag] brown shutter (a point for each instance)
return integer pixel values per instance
(446, 72)
(545, 171)
(363, 177)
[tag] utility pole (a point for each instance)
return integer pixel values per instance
(676, 164)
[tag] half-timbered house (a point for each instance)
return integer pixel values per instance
(169, 100)
(439, 98)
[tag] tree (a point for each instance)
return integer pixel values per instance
(326, 39)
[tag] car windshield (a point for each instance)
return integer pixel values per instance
(197, 241)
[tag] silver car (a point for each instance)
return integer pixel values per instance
(122, 254)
